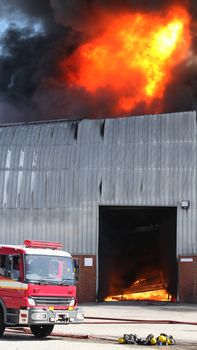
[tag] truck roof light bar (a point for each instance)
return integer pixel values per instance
(42, 244)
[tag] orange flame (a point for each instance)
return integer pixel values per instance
(133, 57)
(155, 295)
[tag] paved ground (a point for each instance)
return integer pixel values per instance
(97, 333)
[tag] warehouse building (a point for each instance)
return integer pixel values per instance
(120, 194)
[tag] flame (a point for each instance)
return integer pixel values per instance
(133, 57)
(155, 295)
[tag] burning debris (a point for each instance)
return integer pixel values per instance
(155, 289)
(73, 59)
(137, 254)
(154, 295)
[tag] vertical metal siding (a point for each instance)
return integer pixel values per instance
(53, 176)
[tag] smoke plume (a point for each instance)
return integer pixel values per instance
(36, 36)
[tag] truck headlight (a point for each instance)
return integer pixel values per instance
(72, 302)
(31, 302)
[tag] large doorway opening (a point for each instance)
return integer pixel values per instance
(137, 253)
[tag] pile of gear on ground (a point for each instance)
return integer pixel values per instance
(162, 339)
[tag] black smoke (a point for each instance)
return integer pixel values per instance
(38, 34)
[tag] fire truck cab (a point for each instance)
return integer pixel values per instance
(37, 287)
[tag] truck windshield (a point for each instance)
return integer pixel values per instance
(48, 269)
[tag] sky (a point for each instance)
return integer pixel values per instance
(36, 36)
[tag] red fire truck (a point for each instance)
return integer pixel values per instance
(37, 287)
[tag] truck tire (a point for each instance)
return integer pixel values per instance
(2, 325)
(41, 331)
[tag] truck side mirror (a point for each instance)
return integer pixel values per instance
(8, 272)
(76, 269)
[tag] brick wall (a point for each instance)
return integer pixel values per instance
(188, 279)
(86, 287)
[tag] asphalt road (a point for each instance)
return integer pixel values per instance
(104, 324)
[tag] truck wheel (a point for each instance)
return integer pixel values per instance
(41, 331)
(2, 326)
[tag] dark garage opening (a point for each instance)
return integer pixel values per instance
(137, 253)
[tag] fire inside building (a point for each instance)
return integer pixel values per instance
(120, 194)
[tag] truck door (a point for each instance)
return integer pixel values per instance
(13, 279)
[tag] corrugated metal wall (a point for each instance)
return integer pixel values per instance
(54, 175)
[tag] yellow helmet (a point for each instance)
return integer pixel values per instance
(153, 341)
(162, 338)
(171, 340)
(122, 341)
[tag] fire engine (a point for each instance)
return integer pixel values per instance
(37, 287)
